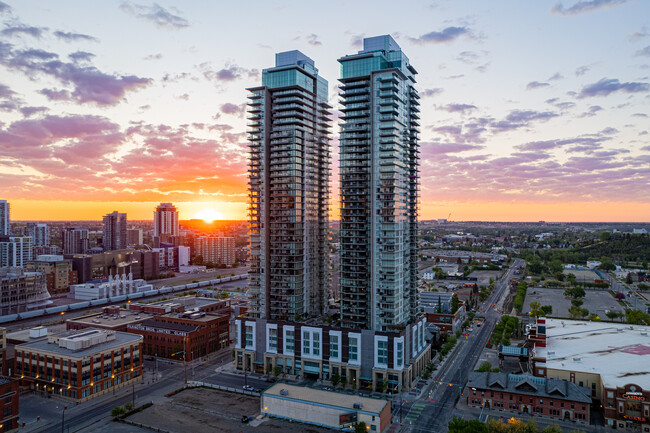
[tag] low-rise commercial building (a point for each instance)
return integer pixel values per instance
(114, 286)
(525, 393)
(80, 365)
(324, 408)
(610, 359)
(111, 318)
(437, 307)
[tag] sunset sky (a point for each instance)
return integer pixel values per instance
(531, 110)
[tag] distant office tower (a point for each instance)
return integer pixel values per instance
(15, 251)
(289, 190)
(216, 249)
(165, 220)
(75, 240)
(379, 187)
(134, 236)
(40, 234)
(5, 227)
(114, 235)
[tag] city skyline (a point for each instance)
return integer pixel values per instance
(533, 114)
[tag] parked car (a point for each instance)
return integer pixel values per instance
(248, 388)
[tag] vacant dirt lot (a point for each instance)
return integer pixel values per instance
(207, 410)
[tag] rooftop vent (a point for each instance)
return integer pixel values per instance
(358, 405)
(577, 359)
(644, 333)
(551, 352)
(284, 392)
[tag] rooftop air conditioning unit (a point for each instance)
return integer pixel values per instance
(284, 392)
(358, 405)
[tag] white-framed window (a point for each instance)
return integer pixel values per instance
(250, 335)
(354, 348)
(335, 346)
(272, 338)
(398, 352)
(289, 340)
(381, 351)
(238, 334)
(312, 342)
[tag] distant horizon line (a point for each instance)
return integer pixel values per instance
(333, 221)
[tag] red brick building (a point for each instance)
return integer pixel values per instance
(528, 394)
(196, 334)
(79, 365)
(8, 404)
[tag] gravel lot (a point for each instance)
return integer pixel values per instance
(206, 410)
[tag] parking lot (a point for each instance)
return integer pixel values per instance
(596, 301)
(207, 410)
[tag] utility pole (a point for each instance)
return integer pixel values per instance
(133, 396)
(63, 418)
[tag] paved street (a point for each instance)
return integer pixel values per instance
(432, 413)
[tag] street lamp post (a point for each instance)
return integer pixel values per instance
(63, 418)
(133, 396)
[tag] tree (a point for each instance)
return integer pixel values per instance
(335, 379)
(606, 264)
(460, 425)
(571, 278)
(128, 406)
(628, 278)
(535, 309)
(484, 367)
(576, 302)
(117, 411)
(619, 295)
(360, 428)
(594, 317)
(637, 317)
(343, 382)
(439, 310)
(555, 266)
(575, 292)
(584, 312)
(547, 309)
(613, 314)
(552, 429)
(277, 370)
(574, 312)
(454, 303)
(535, 265)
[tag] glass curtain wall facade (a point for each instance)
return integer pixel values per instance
(289, 190)
(379, 187)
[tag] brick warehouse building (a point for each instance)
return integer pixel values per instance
(196, 333)
(9, 404)
(528, 394)
(79, 365)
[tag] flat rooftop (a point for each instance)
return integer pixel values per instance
(340, 400)
(44, 345)
(186, 301)
(620, 353)
(113, 320)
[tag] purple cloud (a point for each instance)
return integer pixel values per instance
(607, 86)
(4, 7)
(440, 148)
(21, 29)
(228, 73)
(74, 37)
(431, 92)
(536, 85)
(229, 108)
(644, 51)
(30, 111)
(156, 14)
(585, 6)
(78, 56)
(458, 108)
(312, 39)
(448, 34)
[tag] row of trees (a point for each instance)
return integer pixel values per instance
(520, 297)
(459, 425)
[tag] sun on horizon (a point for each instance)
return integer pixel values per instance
(208, 215)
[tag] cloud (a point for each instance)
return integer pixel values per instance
(556, 76)
(521, 118)
(640, 34)
(559, 104)
(581, 70)
(584, 6)
(156, 14)
(79, 56)
(469, 57)
(88, 84)
(607, 86)
(644, 51)
(591, 111)
(55, 95)
(536, 85)
(4, 7)
(458, 108)
(356, 41)
(448, 34)
(8, 99)
(74, 37)
(157, 56)
(312, 39)
(431, 92)
(21, 29)
(230, 72)
(229, 108)
(439, 148)
(30, 111)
